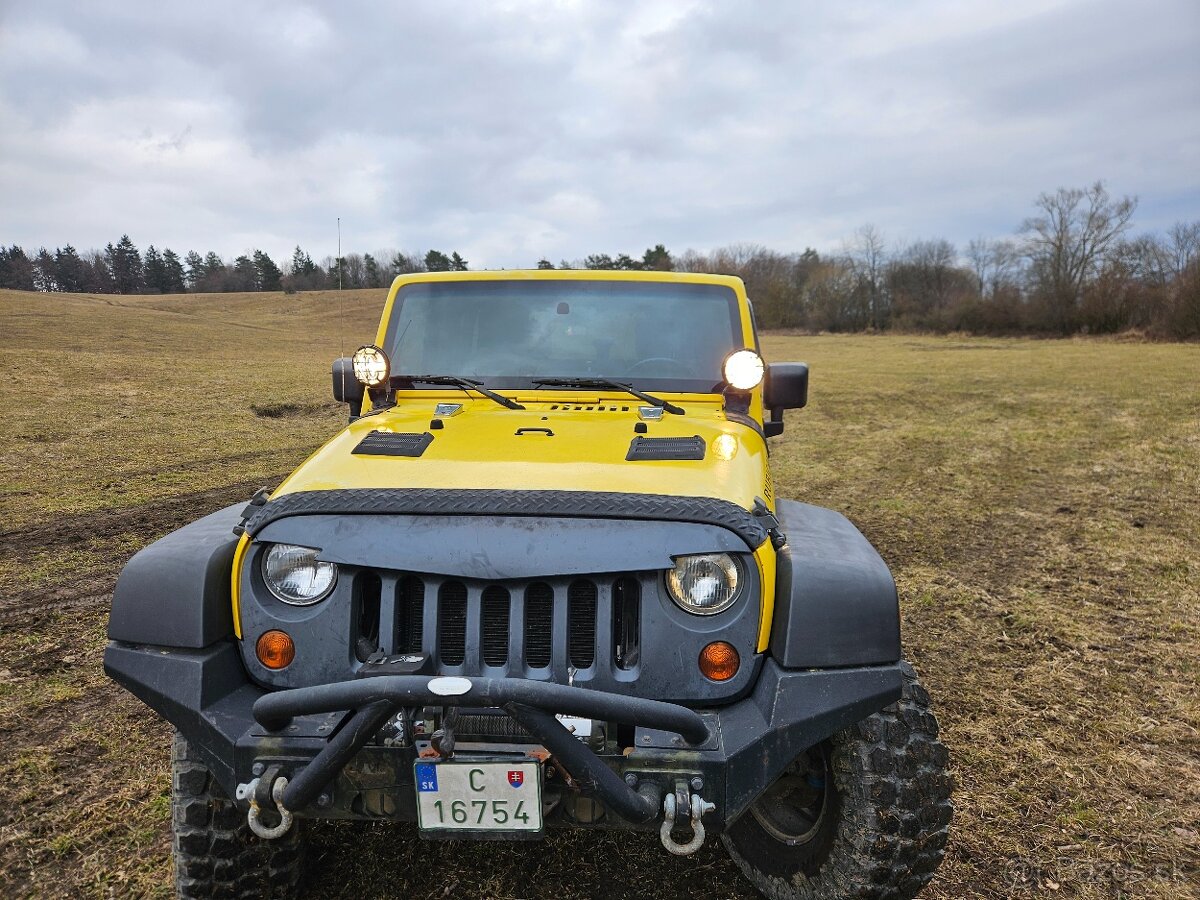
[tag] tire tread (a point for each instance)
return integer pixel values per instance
(896, 808)
(216, 854)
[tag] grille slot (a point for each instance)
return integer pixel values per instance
(370, 590)
(495, 625)
(452, 622)
(410, 614)
(627, 645)
(581, 623)
(539, 622)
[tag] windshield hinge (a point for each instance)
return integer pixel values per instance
(261, 496)
(763, 513)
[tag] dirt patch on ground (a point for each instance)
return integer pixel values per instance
(139, 524)
(154, 517)
(288, 410)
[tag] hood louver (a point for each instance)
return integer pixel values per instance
(390, 443)
(666, 448)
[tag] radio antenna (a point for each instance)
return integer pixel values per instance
(342, 305)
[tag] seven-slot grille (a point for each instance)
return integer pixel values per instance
(536, 629)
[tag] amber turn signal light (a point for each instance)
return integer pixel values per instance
(275, 649)
(719, 661)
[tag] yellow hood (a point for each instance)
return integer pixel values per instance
(480, 447)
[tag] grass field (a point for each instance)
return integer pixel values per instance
(1039, 502)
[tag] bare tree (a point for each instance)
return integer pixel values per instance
(996, 264)
(924, 281)
(867, 254)
(355, 271)
(1068, 240)
(834, 298)
(1182, 246)
(1146, 259)
(692, 261)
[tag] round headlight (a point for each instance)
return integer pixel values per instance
(371, 365)
(704, 584)
(743, 369)
(296, 576)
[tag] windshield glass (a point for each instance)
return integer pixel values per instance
(508, 334)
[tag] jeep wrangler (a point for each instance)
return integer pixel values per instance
(541, 579)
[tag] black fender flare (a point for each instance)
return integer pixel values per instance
(835, 599)
(175, 592)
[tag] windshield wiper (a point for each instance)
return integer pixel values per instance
(615, 385)
(467, 384)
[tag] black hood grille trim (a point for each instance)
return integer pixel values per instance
(492, 502)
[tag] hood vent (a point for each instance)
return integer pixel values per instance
(391, 443)
(666, 448)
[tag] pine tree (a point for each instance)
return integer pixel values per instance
(545, 264)
(213, 264)
(268, 275)
(437, 261)
(195, 269)
(44, 271)
(69, 270)
(244, 275)
(302, 263)
(97, 279)
(336, 273)
(457, 263)
(371, 272)
(125, 264)
(172, 273)
(214, 276)
(155, 271)
(16, 269)
(303, 274)
(599, 261)
(403, 264)
(658, 258)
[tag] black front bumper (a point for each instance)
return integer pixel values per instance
(320, 735)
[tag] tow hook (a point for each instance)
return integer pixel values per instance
(699, 807)
(250, 791)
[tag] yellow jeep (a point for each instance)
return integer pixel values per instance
(542, 579)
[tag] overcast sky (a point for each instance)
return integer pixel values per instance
(515, 130)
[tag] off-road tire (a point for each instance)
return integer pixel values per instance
(216, 853)
(891, 814)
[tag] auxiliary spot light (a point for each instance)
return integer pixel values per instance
(371, 365)
(743, 370)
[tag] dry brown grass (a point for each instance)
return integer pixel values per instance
(1036, 499)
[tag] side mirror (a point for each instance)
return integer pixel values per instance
(347, 388)
(786, 387)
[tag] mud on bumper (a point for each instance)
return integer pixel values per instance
(322, 737)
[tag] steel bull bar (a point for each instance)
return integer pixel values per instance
(532, 704)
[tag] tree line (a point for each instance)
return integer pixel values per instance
(122, 269)
(1073, 266)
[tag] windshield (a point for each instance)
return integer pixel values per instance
(508, 334)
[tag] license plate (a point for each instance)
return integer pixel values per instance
(461, 795)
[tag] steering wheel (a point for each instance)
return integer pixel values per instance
(683, 369)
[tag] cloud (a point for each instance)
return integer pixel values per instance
(526, 129)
